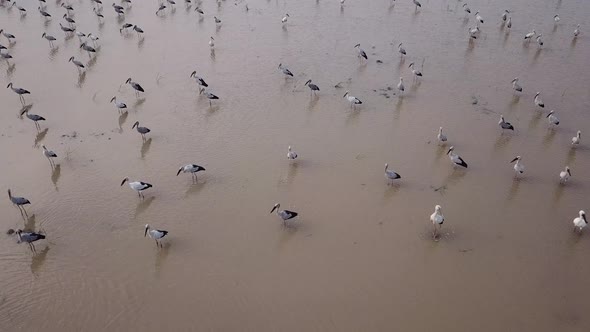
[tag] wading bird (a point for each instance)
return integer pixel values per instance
(352, 100)
(284, 214)
(505, 125)
(44, 13)
(135, 86)
(455, 158)
(291, 155)
(478, 17)
(49, 38)
(466, 8)
(416, 72)
(200, 81)
(210, 96)
(89, 49)
(538, 100)
(505, 15)
(120, 105)
(437, 219)
(7, 35)
(285, 71)
(577, 31)
(442, 138)
(49, 155)
(576, 139)
(285, 18)
(141, 130)
(361, 52)
(518, 166)
(155, 234)
(565, 175)
(29, 238)
(400, 86)
(390, 174)
(401, 49)
(530, 35)
(77, 63)
(66, 30)
(552, 118)
(138, 30)
(314, 88)
(19, 91)
(34, 117)
(211, 42)
(19, 202)
(191, 168)
(138, 186)
(580, 222)
(515, 85)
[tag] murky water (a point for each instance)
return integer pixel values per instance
(360, 257)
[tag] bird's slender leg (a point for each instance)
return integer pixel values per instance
(209, 103)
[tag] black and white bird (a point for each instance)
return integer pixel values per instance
(401, 49)
(19, 91)
(291, 155)
(200, 81)
(22, 10)
(314, 88)
(518, 166)
(473, 32)
(565, 175)
(580, 222)
(89, 49)
(29, 238)
(118, 9)
(515, 85)
(7, 35)
(539, 39)
(93, 38)
(211, 42)
(556, 18)
(400, 86)
(138, 30)
(5, 56)
(285, 18)
(417, 4)
(125, 26)
(44, 13)
(577, 31)
(210, 96)
(171, 2)
(2, 47)
(478, 17)
(284, 214)
(19, 202)
(437, 219)
(77, 63)
(49, 155)
(576, 139)
(352, 100)
(200, 11)
(466, 8)
(390, 174)
(361, 52)
(285, 71)
(141, 130)
(135, 86)
(161, 8)
(538, 100)
(530, 35)
(138, 186)
(69, 19)
(505, 125)
(455, 158)
(509, 24)
(192, 169)
(49, 38)
(68, 8)
(98, 14)
(217, 21)
(33, 117)
(505, 15)
(120, 105)
(156, 234)
(552, 119)
(416, 72)
(442, 138)
(66, 30)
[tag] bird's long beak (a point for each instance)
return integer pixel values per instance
(584, 217)
(180, 170)
(273, 208)
(145, 233)
(569, 172)
(548, 115)
(123, 182)
(345, 95)
(513, 160)
(449, 151)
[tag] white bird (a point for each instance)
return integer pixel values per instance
(437, 219)
(217, 21)
(473, 32)
(285, 18)
(417, 4)
(576, 139)
(22, 10)
(478, 17)
(415, 71)
(577, 31)
(580, 222)
(509, 24)
(466, 8)
(362, 53)
(211, 42)
(505, 125)
(285, 70)
(442, 138)
(455, 158)
(505, 15)
(155, 234)
(76, 63)
(284, 214)
(291, 155)
(401, 49)
(400, 85)
(120, 105)
(539, 40)
(518, 166)
(191, 168)
(352, 100)
(390, 174)
(49, 154)
(529, 35)
(138, 186)
(553, 120)
(565, 175)
(556, 18)
(515, 85)
(538, 100)
(49, 38)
